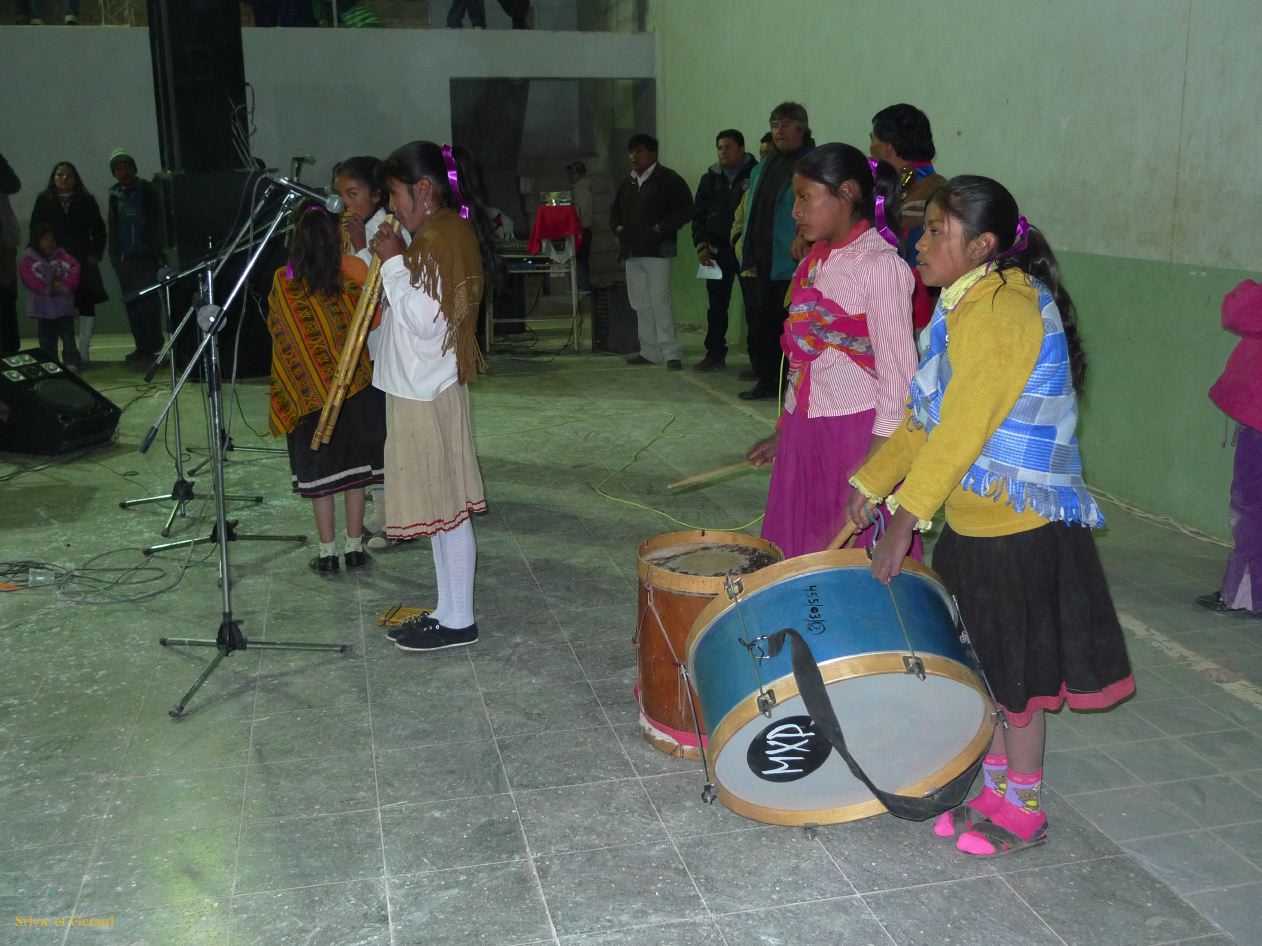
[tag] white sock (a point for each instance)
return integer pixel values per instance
(377, 523)
(440, 577)
(355, 544)
(86, 327)
(328, 548)
(460, 555)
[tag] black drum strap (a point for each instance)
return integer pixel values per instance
(815, 695)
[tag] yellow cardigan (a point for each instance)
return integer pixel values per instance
(995, 331)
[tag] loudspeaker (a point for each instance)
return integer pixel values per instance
(45, 409)
(615, 328)
(198, 82)
(203, 212)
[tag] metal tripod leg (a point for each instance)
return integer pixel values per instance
(230, 531)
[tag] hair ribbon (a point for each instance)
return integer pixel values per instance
(1021, 241)
(882, 224)
(451, 179)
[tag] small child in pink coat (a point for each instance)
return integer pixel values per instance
(51, 275)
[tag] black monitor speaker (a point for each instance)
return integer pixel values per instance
(45, 409)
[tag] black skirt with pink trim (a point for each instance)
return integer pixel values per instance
(1038, 611)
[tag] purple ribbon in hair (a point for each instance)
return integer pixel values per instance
(451, 178)
(882, 224)
(1022, 239)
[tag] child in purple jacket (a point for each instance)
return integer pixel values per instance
(1238, 394)
(51, 276)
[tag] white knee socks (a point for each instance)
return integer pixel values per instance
(455, 561)
(378, 521)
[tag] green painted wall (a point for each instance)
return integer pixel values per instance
(1129, 133)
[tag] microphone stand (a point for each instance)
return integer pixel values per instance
(210, 318)
(182, 492)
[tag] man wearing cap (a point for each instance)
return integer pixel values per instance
(576, 172)
(135, 247)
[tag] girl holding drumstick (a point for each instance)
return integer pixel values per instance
(849, 342)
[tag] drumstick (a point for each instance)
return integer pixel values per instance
(710, 475)
(847, 533)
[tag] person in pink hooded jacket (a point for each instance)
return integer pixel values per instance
(51, 275)
(1238, 394)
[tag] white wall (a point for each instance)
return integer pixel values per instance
(329, 93)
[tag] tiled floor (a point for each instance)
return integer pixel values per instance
(502, 795)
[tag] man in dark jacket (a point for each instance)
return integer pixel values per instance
(718, 196)
(650, 207)
(135, 228)
(771, 247)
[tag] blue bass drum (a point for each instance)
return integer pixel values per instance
(914, 712)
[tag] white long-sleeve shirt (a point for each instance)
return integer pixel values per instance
(373, 341)
(410, 362)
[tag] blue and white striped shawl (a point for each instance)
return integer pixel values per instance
(1032, 459)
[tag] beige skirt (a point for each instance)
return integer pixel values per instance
(432, 472)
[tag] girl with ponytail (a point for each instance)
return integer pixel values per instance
(989, 433)
(848, 339)
(426, 355)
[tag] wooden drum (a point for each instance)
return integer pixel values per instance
(680, 574)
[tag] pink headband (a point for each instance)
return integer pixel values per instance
(882, 224)
(451, 178)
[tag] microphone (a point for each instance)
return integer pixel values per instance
(331, 202)
(296, 163)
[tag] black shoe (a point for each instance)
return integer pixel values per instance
(758, 392)
(324, 564)
(356, 558)
(435, 636)
(638, 360)
(424, 622)
(674, 365)
(1214, 602)
(710, 363)
(137, 357)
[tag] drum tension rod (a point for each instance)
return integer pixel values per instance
(734, 588)
(1000, 717)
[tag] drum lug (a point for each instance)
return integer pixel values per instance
(913, 664)
(766, 700)
(708, 794)
(733, 587)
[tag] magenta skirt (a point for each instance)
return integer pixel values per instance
(810, 482)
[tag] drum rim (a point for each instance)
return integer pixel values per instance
(834, 671)
(802, 565)
(652, 576)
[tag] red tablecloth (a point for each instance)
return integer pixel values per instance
(554, 223)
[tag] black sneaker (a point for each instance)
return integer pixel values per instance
(710, 363)
(424, 622)
(436, 637)
(638, 360)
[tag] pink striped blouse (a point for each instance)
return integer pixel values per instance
(867, 276)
